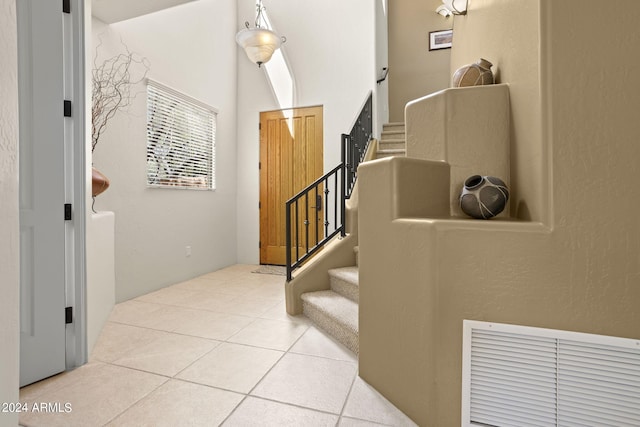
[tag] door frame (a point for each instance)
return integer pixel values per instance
(78, 184)
(264, 177)
(76, 174)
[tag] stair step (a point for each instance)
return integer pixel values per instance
(335, 314)
(393, 134)
(394, 129)
(400, 137)
(391, 144)
(392, 125)
(344, 281)
(401, 152)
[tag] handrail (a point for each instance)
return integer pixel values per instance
(341, 179)
(385, 73)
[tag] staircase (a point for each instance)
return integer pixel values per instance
(392, 141)
(336, 310)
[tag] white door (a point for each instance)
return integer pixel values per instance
(42, 189)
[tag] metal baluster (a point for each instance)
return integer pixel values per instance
(335, 197)
(317, 209)
(297, 232)
(306, 221)
(288, 240)
(326, 207)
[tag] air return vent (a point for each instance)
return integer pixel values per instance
(522, 376)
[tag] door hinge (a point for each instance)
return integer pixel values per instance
(67, 108)
(259, 165)
(259, 126)
(68, 315)
(66, 6)
(259, 245)
(68, 209)
(259, 205)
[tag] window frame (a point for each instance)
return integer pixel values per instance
(177, 139)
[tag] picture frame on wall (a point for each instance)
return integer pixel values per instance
(440, 39)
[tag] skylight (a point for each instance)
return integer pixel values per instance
(279, 73)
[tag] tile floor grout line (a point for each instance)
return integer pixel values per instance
(137, 401)
(288, 351)
(267, 373)
(277, 361)
(213, 310)
(346, 400)
(296, 405)
(233, 410)
(228, 390)
(197, 360)
(148, 328)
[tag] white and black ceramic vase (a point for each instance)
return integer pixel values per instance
(483, 197)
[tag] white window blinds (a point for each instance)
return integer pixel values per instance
(180, 140)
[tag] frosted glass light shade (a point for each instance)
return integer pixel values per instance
(258, 43)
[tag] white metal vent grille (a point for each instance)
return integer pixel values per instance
(522, 376)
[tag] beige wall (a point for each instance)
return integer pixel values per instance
(414, 71)
(9, 236)
(490, 31)
(575, 267)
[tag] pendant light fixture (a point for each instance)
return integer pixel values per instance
(258, 43)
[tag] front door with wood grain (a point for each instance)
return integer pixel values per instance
(291, 143)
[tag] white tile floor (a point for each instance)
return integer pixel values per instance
(216, 350)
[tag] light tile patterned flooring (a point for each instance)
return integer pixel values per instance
(216, 350)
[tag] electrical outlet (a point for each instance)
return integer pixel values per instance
(187, 251)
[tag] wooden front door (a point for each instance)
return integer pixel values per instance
(291, 144)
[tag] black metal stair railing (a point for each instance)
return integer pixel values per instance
(313, 217)
(355, 144)
(317, 213)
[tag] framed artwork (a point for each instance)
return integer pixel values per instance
(440, 39)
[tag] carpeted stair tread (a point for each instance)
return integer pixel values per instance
(344, 281)
(393, 125)
(391, 152)
(335, 314)
(399, 135)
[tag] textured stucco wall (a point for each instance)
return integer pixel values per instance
(575, 269)
(468, 128)
(507, 33)
(9, 236)
(414, 71)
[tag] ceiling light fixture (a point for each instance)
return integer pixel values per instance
(258, 43)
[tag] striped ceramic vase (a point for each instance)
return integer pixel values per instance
(483, 197)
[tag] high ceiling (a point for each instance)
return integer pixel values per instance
(111, 11)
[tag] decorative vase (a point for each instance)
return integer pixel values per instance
(474, 74)
(483, 197)
(99, 182)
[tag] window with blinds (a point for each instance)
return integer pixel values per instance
(523, 376)
(181, 133)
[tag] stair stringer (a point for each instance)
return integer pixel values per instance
(313, 276)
